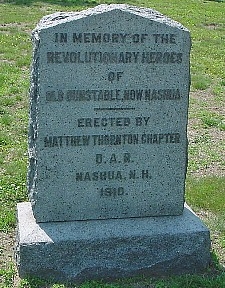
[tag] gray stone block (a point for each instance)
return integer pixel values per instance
(115, 248)
(108, 118)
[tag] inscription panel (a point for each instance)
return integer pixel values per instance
(108, 115)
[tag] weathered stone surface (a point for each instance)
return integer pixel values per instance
(105, 249)
(109, 99)
(108, 149)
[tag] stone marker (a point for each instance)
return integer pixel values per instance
(109, 103)
(108, 145)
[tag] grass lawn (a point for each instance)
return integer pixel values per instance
(205, 188)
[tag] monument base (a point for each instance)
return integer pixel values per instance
(107, 249)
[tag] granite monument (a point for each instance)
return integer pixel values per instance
(108, 149)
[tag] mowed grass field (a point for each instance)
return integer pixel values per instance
(205, 187)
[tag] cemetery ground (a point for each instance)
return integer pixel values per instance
(205, 185)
